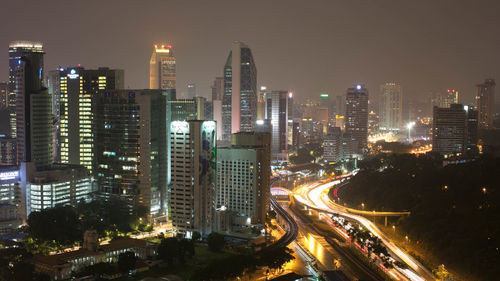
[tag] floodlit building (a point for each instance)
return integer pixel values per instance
(277, 110)
(162, 68)
(12, 203)
(193, 178)
(75, 87)
(356, 119)
(331, 144)
(485, 103)
(239, 108)
(243, 172)
(391, 107)
(130, 148)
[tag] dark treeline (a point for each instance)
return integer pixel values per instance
(454, 209)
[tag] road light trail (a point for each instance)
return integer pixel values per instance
(315, 196)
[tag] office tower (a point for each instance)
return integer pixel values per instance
(340, 105)
(218, 88)
(192, 186)
(52, 82)
(261, 102)
(17, 50)
(277, 111)
(7, 151)
(243, 173)
(10, 200)
(191, 90)
(187, 109)
(327, 101)
(4, 95)
(33, 110)
(485, 103)
(77, 87)
(454, 129)
(130, 147)
(162, 68)
(239, 110)
(331, 144)
(59, 185)
(217, 116)
(356, 119)
(443, 99)
(391, 107)
(208, 110)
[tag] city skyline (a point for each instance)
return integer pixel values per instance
(392, 43)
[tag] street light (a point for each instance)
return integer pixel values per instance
(409, 126)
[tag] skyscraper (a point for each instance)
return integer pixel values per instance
(391, 107)
(191, 90)
(331, 144)
(162, 68)
(239, 110)
(130, 148)
(77, 87)
(356, 119)
(485, 103)
(277, 110)
(192, 186)
(17, 50)
(454, 129)
(33, 107)
(218, 88)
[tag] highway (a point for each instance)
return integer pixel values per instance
(315, 195)
(292, 230)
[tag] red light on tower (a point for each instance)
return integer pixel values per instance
(169, 46)
(448, 90)
(453, 90)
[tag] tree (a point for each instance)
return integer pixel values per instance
(215, 241)
(168, 249)
(275, 258)
(126, 261)
(196, 236)
(442, 274)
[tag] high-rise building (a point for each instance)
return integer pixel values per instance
(327, 101)
(187, 109)
(77, 87)
(239, 109)
(454, 129)
(18, 50)
(277, 110)
(4, 95)
(191, 91)
(340, 105)
(391, 107)
(443, 99)
(243, 174)
(130, 147)
(33, 109)
(193, 182)
(356, 119)
(331, 144)
(218, 88)
(10, 198)
(162, 73)
(7, 151)
(485, 103)
(261, 102)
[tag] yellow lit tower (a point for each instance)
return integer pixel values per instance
(162, 68)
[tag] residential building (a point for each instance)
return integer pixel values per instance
(193, 178)
(239, 109)
(485, 103)
(130, 147)
(162, 68)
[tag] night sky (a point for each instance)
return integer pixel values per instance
(303, 46)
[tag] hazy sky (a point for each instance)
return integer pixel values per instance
(306, 46)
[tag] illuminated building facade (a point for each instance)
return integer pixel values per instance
(485, 103)
(187, 109)
(331, 144)
(130, 148)
(11, 200)
(162, 73)
(239, 103)
(76, 88)
(17, 50)
(454, 129)
(243, 172)
(356, 119)
(7, 151)
(391, 107)
(193, 178)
